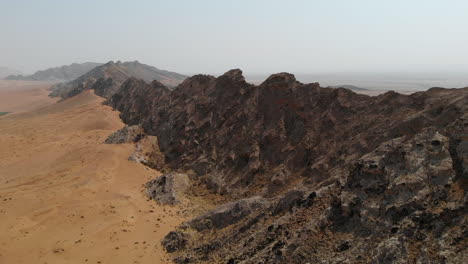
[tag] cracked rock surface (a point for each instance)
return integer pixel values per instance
(309, 174)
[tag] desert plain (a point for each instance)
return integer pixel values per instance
(65, 196)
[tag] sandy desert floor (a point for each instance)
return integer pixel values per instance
(23, 96)
(65, 197)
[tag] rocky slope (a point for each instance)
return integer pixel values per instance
(62, 73)
(107, 79)
(311, 174)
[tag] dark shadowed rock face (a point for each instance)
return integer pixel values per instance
(237, 136)
(145, 100)
(332, 176)
(401, 203)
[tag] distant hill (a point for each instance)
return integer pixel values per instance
(110, 76)
(4, 72)
(350, 87)
(62, 73)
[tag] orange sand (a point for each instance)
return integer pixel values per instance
(65, 197)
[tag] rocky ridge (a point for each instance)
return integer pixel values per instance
(62, 73)
(107, 79)
(312, 174)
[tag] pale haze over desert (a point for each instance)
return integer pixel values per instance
(233, 132)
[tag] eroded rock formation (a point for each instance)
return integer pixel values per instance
(128, 134)
(168, 188)
(312, 174)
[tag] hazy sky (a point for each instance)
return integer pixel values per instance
(212, 36)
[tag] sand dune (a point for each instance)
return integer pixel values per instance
(65, 197)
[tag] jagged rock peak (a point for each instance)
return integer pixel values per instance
(156, 83)
(282, 77)
(235, 74)
(196, 80)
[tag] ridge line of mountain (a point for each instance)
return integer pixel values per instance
(113, 74)
(308, 174)
(61, 73)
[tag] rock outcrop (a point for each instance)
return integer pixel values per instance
(174, 241)
(168, 188)
(312, 174)
(128, 134)
(237, 136)
(402, 203)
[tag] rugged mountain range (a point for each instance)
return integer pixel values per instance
(4, 72)
(306, 174)
(112, 75)
(62, 73)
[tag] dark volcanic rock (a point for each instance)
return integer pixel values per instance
(145, 100)
(304, 131)
(400, 203)
(385, 173)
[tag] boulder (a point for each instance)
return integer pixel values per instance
(174, 241)
(128, 134)
(168, 188)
